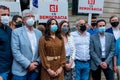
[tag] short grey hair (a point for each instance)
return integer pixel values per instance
(26, 11)
(77, 21)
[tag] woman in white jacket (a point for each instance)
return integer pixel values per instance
(64, 29)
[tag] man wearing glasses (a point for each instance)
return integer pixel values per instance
(25, 49)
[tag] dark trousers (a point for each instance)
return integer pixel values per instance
(109, 74)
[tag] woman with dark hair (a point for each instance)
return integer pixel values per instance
(64, 29)
(16, 22)
(52, 53)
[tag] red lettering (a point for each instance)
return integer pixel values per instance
(55, 17)
(53, 8)
(88, 8)
(91, 1)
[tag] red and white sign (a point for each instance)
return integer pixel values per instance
(90, 6)
(52, 9)
(91, 1)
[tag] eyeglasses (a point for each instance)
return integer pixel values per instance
(30, 16)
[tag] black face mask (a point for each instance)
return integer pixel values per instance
(83, 28)
(115, 24)
(93, 24)
(18, 24)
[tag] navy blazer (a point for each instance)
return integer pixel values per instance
(110, 30)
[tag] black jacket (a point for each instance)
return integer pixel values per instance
(5, 49)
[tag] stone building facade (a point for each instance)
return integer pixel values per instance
(111, 7)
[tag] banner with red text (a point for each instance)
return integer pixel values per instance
(90, 6)
(52, 9)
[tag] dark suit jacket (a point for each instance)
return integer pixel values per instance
(110, 30)
(5, 49)
(96, 52)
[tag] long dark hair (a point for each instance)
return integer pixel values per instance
(48, 27)
(60, 25)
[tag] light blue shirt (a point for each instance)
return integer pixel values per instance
(93, 31)
(117, 51)
(82, 45)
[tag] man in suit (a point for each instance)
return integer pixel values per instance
(115, 30)
(102, 52)
(25, 49)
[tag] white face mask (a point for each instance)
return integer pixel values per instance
(30, 21)
(5, 19)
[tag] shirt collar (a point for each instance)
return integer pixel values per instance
(116, 29)
(28, 29)
(81, 34)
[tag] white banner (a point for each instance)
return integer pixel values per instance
(52, 9)
(34, 6)
(90, 6)
(54, 0)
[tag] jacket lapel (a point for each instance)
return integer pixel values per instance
(37, 36)
(106, 41)
(26, 38)
(98, 39)
(111, 30)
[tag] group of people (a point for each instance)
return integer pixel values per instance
(54, 52)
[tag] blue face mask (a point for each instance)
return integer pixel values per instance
(54, 28)
(101, 29)
(65, 29)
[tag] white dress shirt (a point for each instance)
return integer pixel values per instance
(102, 41)
(116, 33)
(82, 45)
(33, 41)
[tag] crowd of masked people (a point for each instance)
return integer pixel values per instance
(53, 52)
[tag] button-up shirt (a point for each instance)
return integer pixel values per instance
(116, 33)
(117, 51)
(67, 48)
(93, 31)
(33, 41)
(82, 45)
(102, 41)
